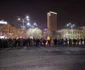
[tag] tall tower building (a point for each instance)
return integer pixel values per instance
(52, 21)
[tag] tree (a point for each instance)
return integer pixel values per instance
(34, 32)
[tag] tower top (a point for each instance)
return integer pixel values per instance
(51, 12)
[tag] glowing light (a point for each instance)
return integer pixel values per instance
(49, 14)
(67, 25)
(28, 24)
(27, 17)
(31, 37)
(73, 25)
(3, 22)
(2, 37)
(19, 19)
(53, 12)
(35, 24)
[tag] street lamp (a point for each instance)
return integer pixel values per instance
(27, 17)
(28, 24)
(19, 19)
(23, 20)
(35, 24)
(32, 25)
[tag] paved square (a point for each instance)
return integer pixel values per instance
(56, 58)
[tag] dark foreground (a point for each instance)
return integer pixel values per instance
(41, 58)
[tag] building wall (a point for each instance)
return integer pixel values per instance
(72, 34)
(11, 32)
(3, 30)
(52, 21)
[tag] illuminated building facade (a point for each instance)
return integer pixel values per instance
(9, 31)
(15, 32)
(72, 32)
(52, 21)
(3, 29)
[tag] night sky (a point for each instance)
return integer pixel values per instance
(68, 11)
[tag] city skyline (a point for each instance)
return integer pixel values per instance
(68, 11)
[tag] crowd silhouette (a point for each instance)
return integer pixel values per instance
(15, 43)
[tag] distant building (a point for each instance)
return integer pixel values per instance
(3, 29)
(52, 21)
(70, 31)
(16, 32)
(9, 31)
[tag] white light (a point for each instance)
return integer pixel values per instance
(35, 24)
(28, 24)
(3, 22)
(73, 25)
(27, 17)
(31, 37)
(53, 12)
(19, 19)
(2, 37)
(49, 14)
(67, 25)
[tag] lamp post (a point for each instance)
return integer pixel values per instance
(23, 26)
(23, 20)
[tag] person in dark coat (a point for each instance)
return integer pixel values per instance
(55, 42)
(37, 41)
(70, 42)
(44, 42)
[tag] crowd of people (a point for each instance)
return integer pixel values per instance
(6, 43)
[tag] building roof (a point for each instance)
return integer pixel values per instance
(52, 12)
(72, 26)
